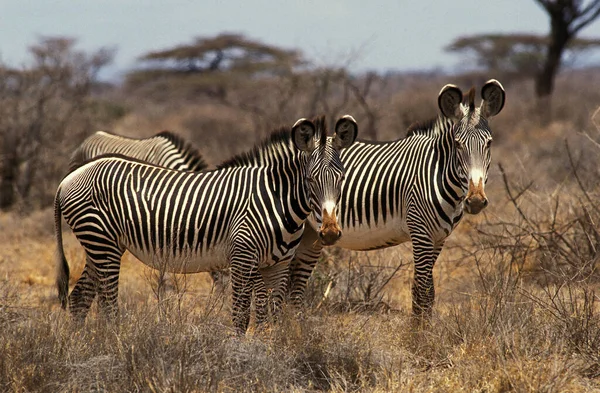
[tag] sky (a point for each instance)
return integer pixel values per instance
(380, 35)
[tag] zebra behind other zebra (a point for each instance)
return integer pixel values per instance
(247, 214)
(413, 189)
(163, 149)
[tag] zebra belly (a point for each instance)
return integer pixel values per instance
(188, 262)
(364, 237)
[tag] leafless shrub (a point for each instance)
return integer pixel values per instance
(351, 281)
(40, 106)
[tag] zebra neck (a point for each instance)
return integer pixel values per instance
(454, 187)
(288, 184)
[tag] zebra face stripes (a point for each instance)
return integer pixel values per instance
(323, 185)
(412, 189)
(248, 214)
(472, 137)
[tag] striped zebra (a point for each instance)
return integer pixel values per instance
(248, 214)
(415, 188)
(163, 149)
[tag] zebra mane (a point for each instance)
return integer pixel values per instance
(196, 160)
(280, 141)
(431, 127)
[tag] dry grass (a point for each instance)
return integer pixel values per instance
(493, 330)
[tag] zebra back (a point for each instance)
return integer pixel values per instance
(164, 149)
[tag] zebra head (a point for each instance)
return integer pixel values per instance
(324, 171)
(472, 137)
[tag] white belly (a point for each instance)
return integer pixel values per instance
(214, 259)
(363, 237)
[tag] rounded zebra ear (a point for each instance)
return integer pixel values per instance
(303, 135)
(449, 101)
(346, 131)
(493, 98)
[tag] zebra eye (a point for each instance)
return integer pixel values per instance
(459, 143)
(489, 143)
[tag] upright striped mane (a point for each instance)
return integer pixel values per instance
(430, 128)
(280, 141)
(196, 160)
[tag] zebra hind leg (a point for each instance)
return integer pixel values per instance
(83, 294)
(108, 285)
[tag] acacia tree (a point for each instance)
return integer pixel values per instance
(567, 19)
(210, 66)
(268, 83)
(40, 106)
(516, 56)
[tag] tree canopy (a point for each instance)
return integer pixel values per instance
(213, 61)
(516, 55)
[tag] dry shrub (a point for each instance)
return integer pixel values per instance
(353, 281)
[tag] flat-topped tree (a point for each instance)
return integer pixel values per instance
(210, 64)
(516, 56)
(545, 54)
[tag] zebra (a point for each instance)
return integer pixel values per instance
(248, 214)
(412, 189)
(163, 149)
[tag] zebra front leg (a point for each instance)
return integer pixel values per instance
(84, 292)
(244, 273)
(276, 279)
(261, 299)
(425, 254)
(304, 262)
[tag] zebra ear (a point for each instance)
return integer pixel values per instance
(303, 135)
(346, 131)
(493, 98)
(449, 101)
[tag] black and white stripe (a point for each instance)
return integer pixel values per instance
(248, 214)
(164, 149)
(415, 188)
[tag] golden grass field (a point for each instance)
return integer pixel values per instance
(492, 331)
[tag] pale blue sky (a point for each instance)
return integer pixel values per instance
(385, 34)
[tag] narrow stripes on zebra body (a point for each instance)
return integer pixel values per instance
(415, 188)
(248, 214)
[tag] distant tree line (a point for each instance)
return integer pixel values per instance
(52, 103)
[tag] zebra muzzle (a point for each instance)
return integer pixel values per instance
(330, 230)
(476, 200)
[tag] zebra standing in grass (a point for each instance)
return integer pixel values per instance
(414, 189)
(163, 149)
(247, 214)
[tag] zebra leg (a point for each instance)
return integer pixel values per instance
(107, 272)
(261, 299)
(243, 277)
(425, 254)
(304, 262)
(275, 278)
(83, 293)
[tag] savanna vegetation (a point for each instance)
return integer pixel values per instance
(517, 305)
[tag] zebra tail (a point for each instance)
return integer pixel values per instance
(62, 266)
